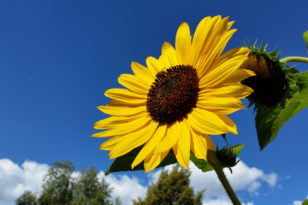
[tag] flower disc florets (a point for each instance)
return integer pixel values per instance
(174, 94)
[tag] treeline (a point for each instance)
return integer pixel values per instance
(63, 186)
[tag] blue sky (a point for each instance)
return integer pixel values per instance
(57, 58)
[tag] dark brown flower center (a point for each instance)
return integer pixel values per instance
(174, 94)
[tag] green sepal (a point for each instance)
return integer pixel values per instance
(305, 36)
(237, 148)
(269, 120)
(205, 166)
(124, 162)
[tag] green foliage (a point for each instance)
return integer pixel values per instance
(201, 163)
(124, 162)
(171, 188)
(237, 148)
(27, 199)
(60, 187)
(305, 202)
(305, 36)
(205, 166)
(87, 190)
(57, 183)
(269, 120)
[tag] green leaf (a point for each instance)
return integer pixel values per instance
(237, 148)
(124, 162)
(305, 35)
(269, 120)
(201, 163)
(305, 202)
(205, 166)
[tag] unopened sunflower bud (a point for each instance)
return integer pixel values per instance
(269, 84)
(226, 157)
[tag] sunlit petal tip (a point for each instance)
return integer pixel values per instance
(226, 18)
(102, 146)
(93, 135)
(98, 134)
(249, 72)
(217, 17)
(183, 25)
(246, 50)
(133, 63)
(154, 65)
(249, 91)
(100, 107)
(166, 45)
(233, 30)
(106, 93)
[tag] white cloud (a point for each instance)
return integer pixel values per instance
(222, 202)
(124, 187)
(299, 202)
(243, 178)
(16, 179)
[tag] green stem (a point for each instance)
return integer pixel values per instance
(212, 159)
(294, 59)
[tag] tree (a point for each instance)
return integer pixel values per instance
(57, 184)
(26, 199)
(61, 188)
(171, 189)
(89, 191)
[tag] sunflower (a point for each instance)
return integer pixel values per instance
(178, 100)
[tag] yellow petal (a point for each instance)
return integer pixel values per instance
(207, 63)
(198, 146)
(125, 128)
(153, 65)
(201, 37)
(133, 140)
(230, 24)
(231, 126)
(109, 144)
(170, 138)
(205, 122)
(150, 145)
(134, 83)
(153, 160)
(225, 68)
(125, 93)
(214, 46)
(239, 75)
(126, 96)
(115, 121)
(220, 105)
(168, 56)
(183, 43)
(122, 110)
(209, 142)
(182, 147)
(231, 90)
(142, 72)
